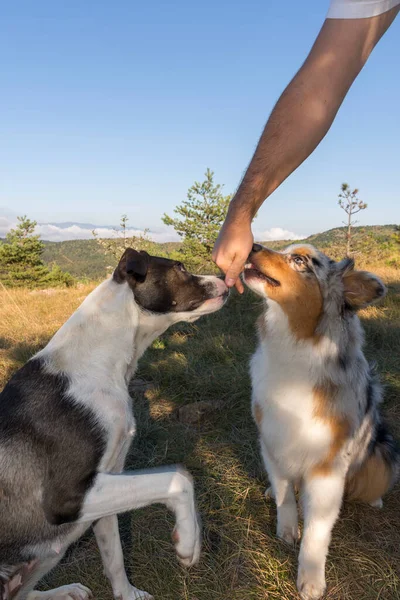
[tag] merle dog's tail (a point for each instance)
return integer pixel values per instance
(380, 470)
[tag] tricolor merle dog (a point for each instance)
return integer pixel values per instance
(66, 425)
(316, 400)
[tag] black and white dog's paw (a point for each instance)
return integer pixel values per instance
(188, 542)
(73, 591)
(187, 531)
(135, 594)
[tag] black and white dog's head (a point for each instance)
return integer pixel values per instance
(163, 286)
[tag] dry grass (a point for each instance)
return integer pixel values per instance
(29, 318)
(242, 559)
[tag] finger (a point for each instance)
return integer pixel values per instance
(233, 272)
(239, 285)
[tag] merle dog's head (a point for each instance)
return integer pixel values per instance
(163, 286)
(307, 285)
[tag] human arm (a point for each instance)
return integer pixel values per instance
(297, 124)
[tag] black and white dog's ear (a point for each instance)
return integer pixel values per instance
(137, 263)
(132, 263)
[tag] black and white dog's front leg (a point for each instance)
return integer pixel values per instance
(109, 543)
(113, 494)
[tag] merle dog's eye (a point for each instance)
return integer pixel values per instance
(299, 260)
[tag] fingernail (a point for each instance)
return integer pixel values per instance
(229, 282)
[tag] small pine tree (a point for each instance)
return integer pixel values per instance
(201, 216)
(21, 261)
(351, 205)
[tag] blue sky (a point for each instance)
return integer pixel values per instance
(117, 107)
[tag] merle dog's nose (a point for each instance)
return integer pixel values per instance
(256, 248)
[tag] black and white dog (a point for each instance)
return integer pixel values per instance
(66, 425)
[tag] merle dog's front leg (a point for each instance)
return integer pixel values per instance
(172, 486)
(322, 496)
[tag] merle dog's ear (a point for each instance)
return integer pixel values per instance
(361, 289)
(132, 263)
(345, 266)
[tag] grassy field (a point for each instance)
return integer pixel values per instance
(241, 559)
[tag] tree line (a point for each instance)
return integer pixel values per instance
(21, 262)
(197, 221)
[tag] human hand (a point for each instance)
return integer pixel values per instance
(232, 248)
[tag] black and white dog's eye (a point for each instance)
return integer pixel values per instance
(181, 267)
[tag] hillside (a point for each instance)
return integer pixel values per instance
(372, 245)
(84, 258)
(81, 258)
(375, 244)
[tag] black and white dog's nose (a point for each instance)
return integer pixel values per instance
(256, 248)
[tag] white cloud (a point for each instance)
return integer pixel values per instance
(55, 233)
(275, 234)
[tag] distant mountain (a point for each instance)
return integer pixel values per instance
(89, 226)
(7, 212)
